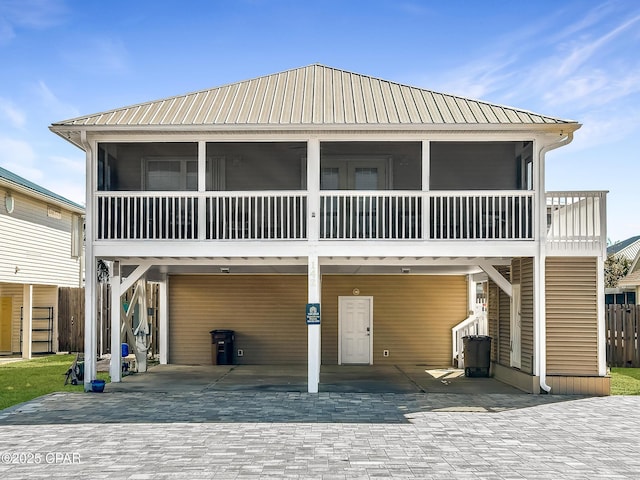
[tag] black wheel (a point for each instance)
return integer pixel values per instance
(467, 372)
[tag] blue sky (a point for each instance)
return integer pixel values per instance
(576, 60)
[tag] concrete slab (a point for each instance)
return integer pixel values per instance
(293, 378)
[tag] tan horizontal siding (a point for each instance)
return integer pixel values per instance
(267, 313)
(527, 308)
(504, 323)
(40, 245)
(412, 315)
(572, 315)
(492, 318)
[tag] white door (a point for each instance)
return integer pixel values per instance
(515, 326)
(356, 335)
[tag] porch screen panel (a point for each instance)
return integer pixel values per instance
(572, 315)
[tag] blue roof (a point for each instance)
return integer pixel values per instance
(23, 182)
(616, 247)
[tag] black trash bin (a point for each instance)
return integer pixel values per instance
(222, 347)
(477, 355)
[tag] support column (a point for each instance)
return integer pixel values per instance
(313, 331)
(602, 330)
(426, 169)
(27, 320)
(115, 368)
(91, 266)
(163, 321)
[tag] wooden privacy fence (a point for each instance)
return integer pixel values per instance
(623, 348)
(71, 318)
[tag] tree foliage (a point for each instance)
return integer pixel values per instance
(615, 268)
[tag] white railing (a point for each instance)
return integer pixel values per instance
(252, 216)
(475, 324)
(370, 215)
(226, 215)
(446, 215)
(576, 220)
(145, 215)
(486, 215)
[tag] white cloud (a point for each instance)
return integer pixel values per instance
(30, 14)
(583, 50)
(16, 117)
(75, 166)
(18, 157)
(105, 55)
(53, 103)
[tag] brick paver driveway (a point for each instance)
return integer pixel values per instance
(210, 434)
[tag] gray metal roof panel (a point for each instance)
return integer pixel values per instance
(313, 95)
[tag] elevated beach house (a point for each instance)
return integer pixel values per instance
(329, 217)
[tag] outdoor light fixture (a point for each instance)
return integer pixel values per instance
(224, 269)
(405, 270)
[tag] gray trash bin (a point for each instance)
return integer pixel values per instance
(477, 355)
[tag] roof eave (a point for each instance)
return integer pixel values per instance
(71, 133)
(72, 207)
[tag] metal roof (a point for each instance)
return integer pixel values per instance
(11, 179)
(313, 95)
(628, 248)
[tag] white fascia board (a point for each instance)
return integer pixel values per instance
(410, 261)
(472, 249)
(382, 249)
(216, 261)
(187, 249)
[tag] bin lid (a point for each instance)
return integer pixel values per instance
(222, 332)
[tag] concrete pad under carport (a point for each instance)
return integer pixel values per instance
(293, 378)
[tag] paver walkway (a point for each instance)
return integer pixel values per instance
(228, 435)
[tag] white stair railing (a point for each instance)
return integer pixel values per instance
(475, 324)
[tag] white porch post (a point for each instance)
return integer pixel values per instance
(313, 272)
(27, 320)
(202, 187)
(472, 294)
(602, 340)
(115, 368)
(426, 167)
(163, 321)
(313, 334)
(90, 274)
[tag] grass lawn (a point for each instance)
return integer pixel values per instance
(625, 381)
(28, 379)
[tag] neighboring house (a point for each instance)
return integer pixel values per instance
(627, 292)
(383, 203)
(41, 251)
(629, 286)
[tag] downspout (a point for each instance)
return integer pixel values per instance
(541, 324)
